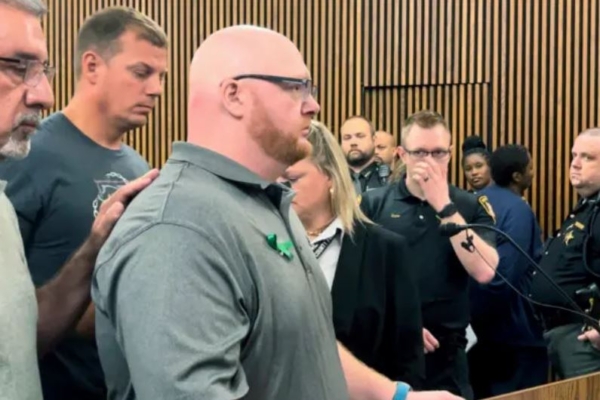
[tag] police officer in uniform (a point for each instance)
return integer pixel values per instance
(358, 145)
(415, 207)
(572, 260)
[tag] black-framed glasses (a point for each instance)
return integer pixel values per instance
(438, 154)
(31, 71)
(304, 86)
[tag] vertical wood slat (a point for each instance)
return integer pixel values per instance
(330, 38)
(510, 70)
(528, 76)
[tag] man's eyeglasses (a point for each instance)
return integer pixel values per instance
(304, 86)
(438, 154)
(30, 71)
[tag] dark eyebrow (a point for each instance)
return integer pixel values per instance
(141, 64)
(586, 154)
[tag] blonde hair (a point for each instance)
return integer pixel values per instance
(398, 171)
(328, 157)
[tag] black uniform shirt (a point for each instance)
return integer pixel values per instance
(443, 280)
(562, 259)
(370, 178)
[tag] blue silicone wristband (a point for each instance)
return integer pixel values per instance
(402, 390)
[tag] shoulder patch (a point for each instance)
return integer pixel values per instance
(483, 200)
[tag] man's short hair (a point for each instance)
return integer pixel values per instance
(506, 160)
(101, 32)
(368, 121)
(33, 7)
(591, 132)
(424, 119)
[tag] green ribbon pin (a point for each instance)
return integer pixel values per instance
(282, 247)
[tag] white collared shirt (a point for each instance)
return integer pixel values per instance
(329, 258)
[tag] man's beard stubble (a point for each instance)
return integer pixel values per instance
(282, 146)
(19, 142)
(361, 160)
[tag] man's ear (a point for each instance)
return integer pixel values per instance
(517, 177)
(401, 152)
(233, 97)
(91, 63)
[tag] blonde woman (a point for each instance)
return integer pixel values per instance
(376, 309)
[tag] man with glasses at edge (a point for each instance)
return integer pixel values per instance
(415, 207)
(33, 320)
(77, 161)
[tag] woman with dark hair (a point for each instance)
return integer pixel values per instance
(475, 163)
(506, 329)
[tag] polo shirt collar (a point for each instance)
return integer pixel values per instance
(217, 164)
(367, 171)
(228, 169)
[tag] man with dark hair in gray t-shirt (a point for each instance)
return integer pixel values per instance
(77, 161)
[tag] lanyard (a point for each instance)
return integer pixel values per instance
(322, 245)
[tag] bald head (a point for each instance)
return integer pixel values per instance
(251, 99)
(385, 147)
(240, 50)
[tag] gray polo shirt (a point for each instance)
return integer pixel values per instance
(19, 375)
(208, 289)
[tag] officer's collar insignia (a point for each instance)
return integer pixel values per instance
(568, 237)
(483, 200)
(359, 198)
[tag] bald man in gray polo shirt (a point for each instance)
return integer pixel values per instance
(208, 288)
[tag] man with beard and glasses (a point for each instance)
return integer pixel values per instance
(78, 160)
(33, 320)
(359, 148)
(208, 287)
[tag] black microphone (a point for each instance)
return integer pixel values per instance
(451, 229)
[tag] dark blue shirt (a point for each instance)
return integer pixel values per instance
(498, 314)
(57, 191)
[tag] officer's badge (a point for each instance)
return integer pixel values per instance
(483, 200)
(568, 237)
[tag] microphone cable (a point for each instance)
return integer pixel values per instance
(469, 243)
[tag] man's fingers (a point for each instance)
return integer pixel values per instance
(131, 189)
(126, 192)
(108, 219)
(432, 338)
(429, 341)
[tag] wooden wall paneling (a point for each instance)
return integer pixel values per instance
(515, 72)
(521, 71)
(329, 35)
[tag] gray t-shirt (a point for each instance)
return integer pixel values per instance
(57, 191)
(19, 377)
(208, 289)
